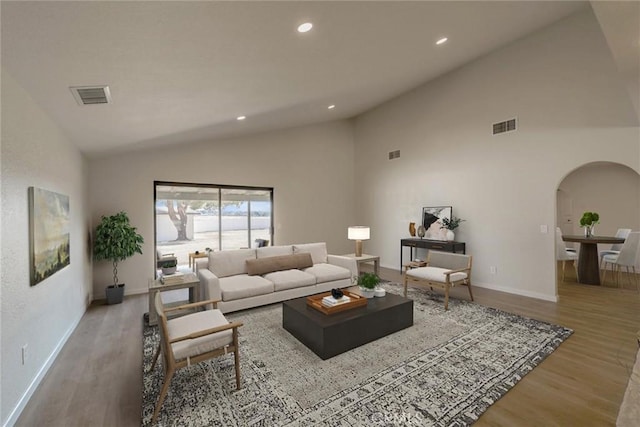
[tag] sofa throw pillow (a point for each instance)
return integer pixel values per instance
(318, 251)
(260, 266)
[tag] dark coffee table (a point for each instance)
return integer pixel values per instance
(328, 335)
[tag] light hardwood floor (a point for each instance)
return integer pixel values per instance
(97, 378)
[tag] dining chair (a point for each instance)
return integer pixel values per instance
(628, 257)
(192, 338)
(563, 254)
(615, 249)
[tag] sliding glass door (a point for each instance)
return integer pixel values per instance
(197, 217)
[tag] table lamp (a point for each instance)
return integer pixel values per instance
(358, 233)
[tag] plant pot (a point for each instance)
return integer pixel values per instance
(115, 294)
(451, 236)
(367, 293)
(169, 270)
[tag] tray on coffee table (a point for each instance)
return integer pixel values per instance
(315, 301)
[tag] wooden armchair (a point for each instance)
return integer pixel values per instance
(191, 339)
(443, 270)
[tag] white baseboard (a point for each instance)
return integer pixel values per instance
(22, 403)
(536, 295)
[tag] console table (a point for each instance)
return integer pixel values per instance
(439, 245)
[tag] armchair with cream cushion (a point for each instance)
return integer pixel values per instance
(191, 339)
(443, 271)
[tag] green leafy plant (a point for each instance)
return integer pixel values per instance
(116, 240)
(169, 263)
(451, 224)
(368, 280)
(589, 219)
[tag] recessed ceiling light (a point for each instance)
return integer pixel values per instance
(241, 117)
(442, 40)
(331, 107)
(303, 28)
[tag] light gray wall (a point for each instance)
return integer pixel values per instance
(310, 168)
(572, 109)
(35, 153)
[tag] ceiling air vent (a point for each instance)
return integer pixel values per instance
(87, 95)
(506, 126)
(394, 154)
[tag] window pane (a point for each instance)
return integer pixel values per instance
(196, 217)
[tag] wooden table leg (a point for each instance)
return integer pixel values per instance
(588, 268)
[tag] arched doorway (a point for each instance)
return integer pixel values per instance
(611, 189)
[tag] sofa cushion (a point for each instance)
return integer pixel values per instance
(318, 251)
(244, 286)
(230, 263)
(290, 279)
(269, 251)
(278, 263)
(435, 273)
(328, 272)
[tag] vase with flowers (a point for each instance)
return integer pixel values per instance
(451, 224)
(589, 221)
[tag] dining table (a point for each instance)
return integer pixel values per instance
(588, 264)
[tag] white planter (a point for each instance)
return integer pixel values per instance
(379, 292)
(451, 236)
(367, 293)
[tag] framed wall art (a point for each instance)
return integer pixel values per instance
(48, 233)
(432, 221)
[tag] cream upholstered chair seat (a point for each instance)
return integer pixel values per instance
(436, 273)
(191, 339)
(443, 271)
(193, 323)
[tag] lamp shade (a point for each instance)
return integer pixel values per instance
(358, 232)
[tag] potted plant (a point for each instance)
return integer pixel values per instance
(451, 224)
(116, 240)
(368, 283)
(588, 221)
(169, 267)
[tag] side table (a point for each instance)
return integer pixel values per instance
(187, 281)
(367, 258)
(193, 256)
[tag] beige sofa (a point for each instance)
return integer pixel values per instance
(245, 278)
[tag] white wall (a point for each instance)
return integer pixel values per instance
(310, 168)
(572, 109)
(35, 153)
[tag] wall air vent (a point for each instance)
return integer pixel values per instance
(506, 126)
(89, 95)
(394, 154)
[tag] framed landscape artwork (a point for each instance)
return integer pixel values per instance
(48, 233)
(432, 221)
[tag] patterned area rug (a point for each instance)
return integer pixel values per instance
(445, 370)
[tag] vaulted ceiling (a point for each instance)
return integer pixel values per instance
(183, 71)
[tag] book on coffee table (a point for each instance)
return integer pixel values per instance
(355, 301)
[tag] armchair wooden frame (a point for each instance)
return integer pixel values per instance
(447, 264)
(171, 365)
